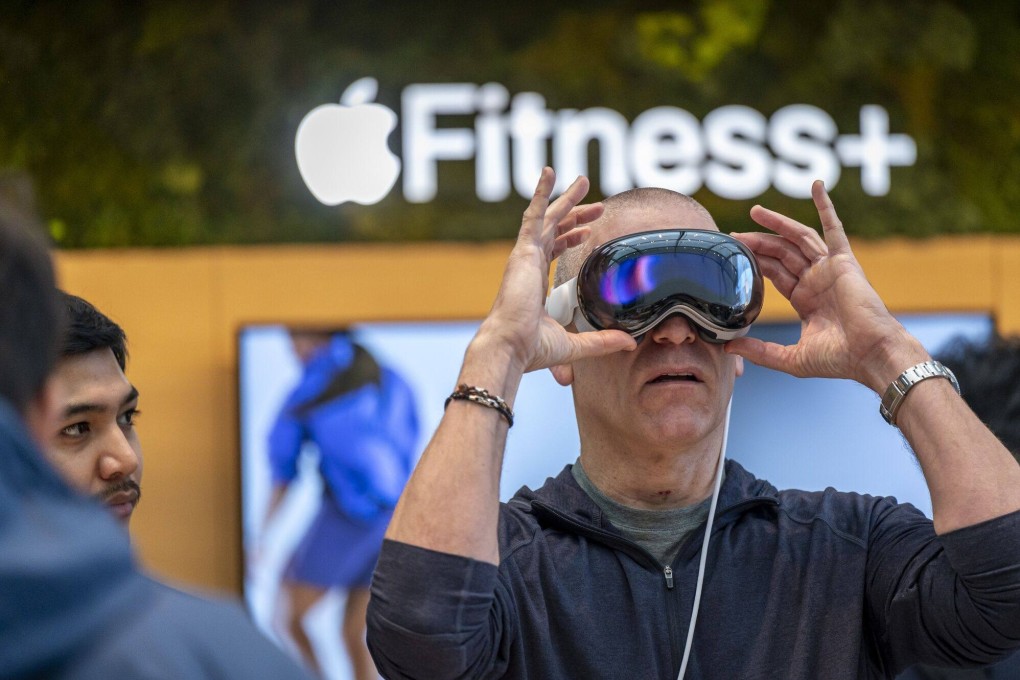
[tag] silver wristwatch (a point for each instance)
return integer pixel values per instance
(897, 390)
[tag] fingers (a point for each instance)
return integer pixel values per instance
(778, 248)
(571, 230)
(835, 236)
(579, 215)
(534, 215)
(590, 345)
(588, 213)
(779, 275)
(574, 237)
(560, 209)
(544, 221)
(598, 343)
(805, 238)
(563, 348)
(767, 354)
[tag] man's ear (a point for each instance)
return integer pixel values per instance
(739, 366)
(564, 374)
(42, 414)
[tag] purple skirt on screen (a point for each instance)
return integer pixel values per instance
(337, 551)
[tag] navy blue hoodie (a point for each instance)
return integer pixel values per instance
(73, 605)
(797, 585)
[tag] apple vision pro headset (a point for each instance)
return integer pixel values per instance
(634, 282)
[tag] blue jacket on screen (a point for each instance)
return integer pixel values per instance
(366, 437)
(73, 605)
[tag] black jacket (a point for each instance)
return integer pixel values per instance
(797, 585)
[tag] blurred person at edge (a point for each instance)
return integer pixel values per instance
(361, 419)
(599, 572)
(95, 447)
(73, 603)
(989, 375)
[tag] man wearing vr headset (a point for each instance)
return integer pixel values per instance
(649, 558)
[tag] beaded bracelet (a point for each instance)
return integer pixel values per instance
(483, 398)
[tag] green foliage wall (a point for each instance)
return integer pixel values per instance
(171, 123)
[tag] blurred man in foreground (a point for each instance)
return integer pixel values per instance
(73, 605)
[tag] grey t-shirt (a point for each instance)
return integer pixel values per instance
(660, 532)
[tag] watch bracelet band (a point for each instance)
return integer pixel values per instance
(898, 389)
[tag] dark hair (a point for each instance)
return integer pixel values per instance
(30, 319)
(87, 329)
(989, 375)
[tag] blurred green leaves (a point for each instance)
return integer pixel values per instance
(172, 123)
(694, 43)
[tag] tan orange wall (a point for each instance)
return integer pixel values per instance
(182, 308)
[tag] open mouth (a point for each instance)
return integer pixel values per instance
(675, 377)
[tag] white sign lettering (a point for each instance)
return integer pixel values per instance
(735, 152)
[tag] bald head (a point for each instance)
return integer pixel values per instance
(629, 212)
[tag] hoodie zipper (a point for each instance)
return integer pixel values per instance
(619, 542)
(639, 553)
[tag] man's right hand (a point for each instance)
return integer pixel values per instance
(518, 321)
(458, 474)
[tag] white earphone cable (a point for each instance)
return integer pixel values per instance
(704, 545)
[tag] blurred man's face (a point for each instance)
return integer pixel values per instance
(307, 343)
(94, 445)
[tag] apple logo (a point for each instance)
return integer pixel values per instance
(341, 149)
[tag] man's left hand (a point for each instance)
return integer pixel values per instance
(846, 330)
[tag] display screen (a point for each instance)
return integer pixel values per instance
(796, 433)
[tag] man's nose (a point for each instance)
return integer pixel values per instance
(119, 458)
(676, 329)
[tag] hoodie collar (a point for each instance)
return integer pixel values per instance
(561, 498)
